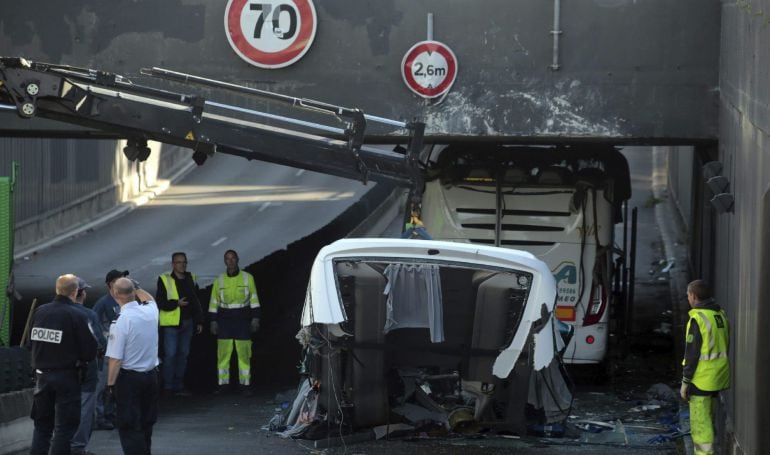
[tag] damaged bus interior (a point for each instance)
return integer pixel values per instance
(427, 338)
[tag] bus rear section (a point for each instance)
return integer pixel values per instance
(559, 204)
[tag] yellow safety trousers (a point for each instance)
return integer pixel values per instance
(225, 351)
(701, 426)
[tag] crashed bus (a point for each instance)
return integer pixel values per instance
(559, 203)
(430, 331)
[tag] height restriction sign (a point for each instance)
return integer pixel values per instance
(270, 33)
(429, 68)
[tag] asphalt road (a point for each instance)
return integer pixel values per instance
(252, 207)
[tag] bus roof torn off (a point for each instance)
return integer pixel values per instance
(390, 324)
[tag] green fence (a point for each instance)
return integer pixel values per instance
(6, 254)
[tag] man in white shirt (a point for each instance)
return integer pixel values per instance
(132, 377)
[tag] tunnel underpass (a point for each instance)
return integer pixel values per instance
(281, 278)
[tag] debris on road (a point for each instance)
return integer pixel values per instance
(385, 430)
(662, 392)
(646, 407)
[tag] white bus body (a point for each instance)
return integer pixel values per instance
(563, 214)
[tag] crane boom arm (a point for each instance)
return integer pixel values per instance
(112, 103)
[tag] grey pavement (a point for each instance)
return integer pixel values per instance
(649, 248)
(208, 424)
(674, 242)
(253, 207)
(232, 424)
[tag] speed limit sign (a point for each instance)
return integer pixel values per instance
(270, 33)
(429, 68)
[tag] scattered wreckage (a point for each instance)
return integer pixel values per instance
(415, 333)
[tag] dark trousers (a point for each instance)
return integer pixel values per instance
(105, 409)
(55, 410)
(136, 395)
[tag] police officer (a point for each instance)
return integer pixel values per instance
(132, 377)
(180, 310)
(234, 310)
(706, 367)
(62, 343)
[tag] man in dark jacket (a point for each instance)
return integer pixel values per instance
(89, 377)
(62, 343)
(106, 309)
(180, 310)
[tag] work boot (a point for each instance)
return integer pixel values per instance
(182, 393)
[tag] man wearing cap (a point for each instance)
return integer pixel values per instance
(132, 351)
(61, 341)
(106, 309)
(180, 310)
(89, 375)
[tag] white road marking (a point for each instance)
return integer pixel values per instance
(222, 239)
(264, 206)
(299, 172)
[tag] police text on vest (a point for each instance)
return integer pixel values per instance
(46, 335)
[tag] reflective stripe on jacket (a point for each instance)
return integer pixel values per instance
(233, 293)
(712, 372)
(171, 318)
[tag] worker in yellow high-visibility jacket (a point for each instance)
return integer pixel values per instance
(706, 366)
(180, 315)
(234, 310)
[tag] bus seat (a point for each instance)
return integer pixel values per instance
(515, 176)
(554, 175)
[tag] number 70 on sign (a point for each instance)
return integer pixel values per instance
(270, 33)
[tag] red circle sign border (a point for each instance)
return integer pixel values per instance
(429, 46)
(270, 60)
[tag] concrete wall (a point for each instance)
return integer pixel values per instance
(744, 126)
(64, 185)
(680, 179)
(630, 70)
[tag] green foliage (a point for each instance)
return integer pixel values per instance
(652, 201)
(746, 6)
